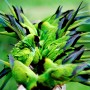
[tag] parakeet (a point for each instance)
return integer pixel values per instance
(49, 53)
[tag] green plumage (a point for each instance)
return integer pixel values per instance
(52, 52)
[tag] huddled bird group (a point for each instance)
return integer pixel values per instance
(49, 53)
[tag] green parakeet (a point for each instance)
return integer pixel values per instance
(49, 53)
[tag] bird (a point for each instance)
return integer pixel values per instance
(52, 51)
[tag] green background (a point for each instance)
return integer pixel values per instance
(36, 10)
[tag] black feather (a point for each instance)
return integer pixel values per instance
(4, 72)
(36, 39)
(40, 24)
(76, 55)
(59, 27)
(21, 9)
(72, 41)
(18, 11)
(79, 68)
(72, 18)
(69, 16)
(8, 29)
(58, 12)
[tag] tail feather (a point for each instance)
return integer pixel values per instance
(4, 72)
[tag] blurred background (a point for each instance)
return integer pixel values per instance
(36, 10)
